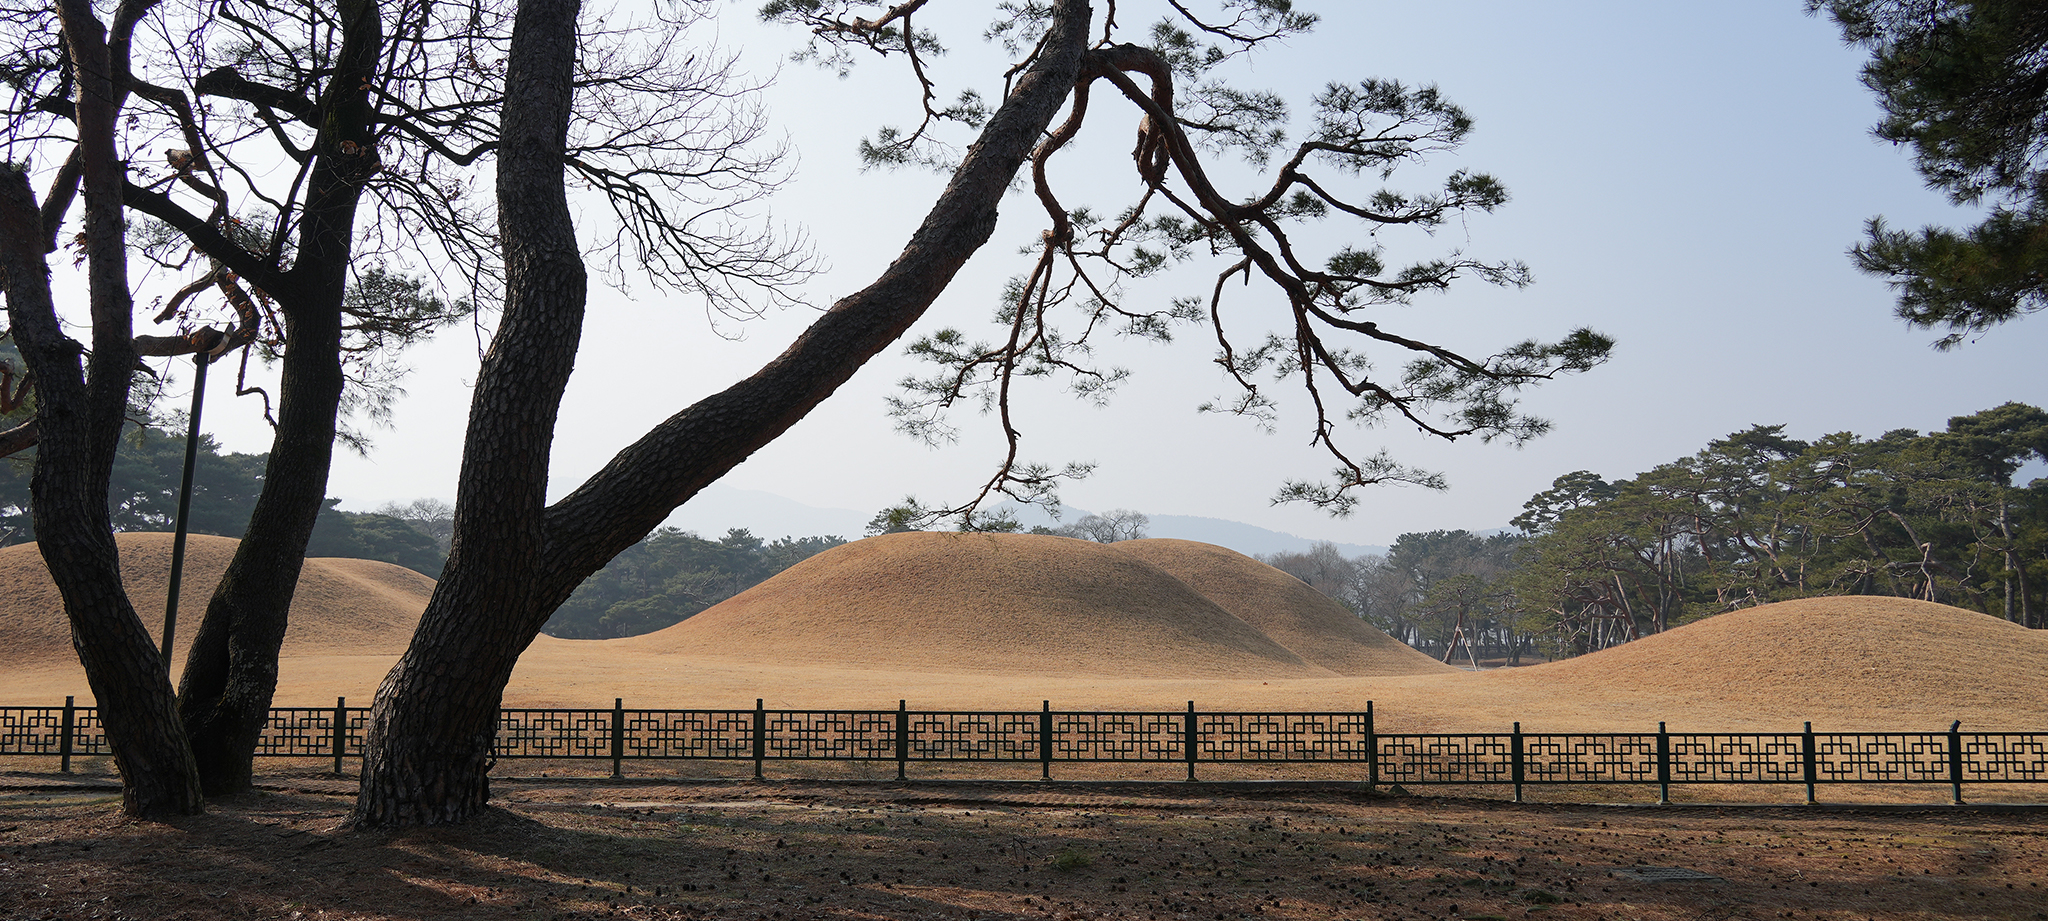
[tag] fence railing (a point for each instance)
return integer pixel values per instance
(1188, 738)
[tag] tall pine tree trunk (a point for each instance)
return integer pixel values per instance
(514, 560)
(230, 675)
(432, 724)
(81, 404)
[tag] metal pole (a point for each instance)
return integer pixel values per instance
(760, 737)
(340, 731)
(1955, 760)
(1372, 752)
(618, 736)
(902, 737)
(64, 738)
(1515, 760)
(200, 362)
(1663, 765)
(1045, 741)
(1810, 754)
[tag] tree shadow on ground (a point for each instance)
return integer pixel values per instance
(796, 852)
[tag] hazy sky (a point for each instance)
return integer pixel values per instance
(1685, 178)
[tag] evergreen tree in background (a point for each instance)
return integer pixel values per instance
(1757, 517)
(143, 496)
(17, 411)
(671, 576)
(375, 536)
(1966, 84)
(1752, 518)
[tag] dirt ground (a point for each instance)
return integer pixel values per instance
(794, 850)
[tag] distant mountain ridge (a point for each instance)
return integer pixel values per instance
(1248, 539)
(721, 508)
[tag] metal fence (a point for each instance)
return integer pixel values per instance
(1188, 738)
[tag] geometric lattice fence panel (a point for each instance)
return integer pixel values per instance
(1049, 737)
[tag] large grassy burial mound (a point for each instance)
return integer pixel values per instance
(1873, 662)
(342, 607)
(1285, 608)
(980, 603)
(1003, 621)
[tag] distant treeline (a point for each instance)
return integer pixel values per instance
(657, 582)
(1752, 518)
(1410, 592)
(672, 575)
(144, 497)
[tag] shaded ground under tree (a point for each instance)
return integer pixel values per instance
(797, 850)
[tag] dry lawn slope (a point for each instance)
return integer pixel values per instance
(1849, 662)
(981, 603)
(1004, 621)
(350, 610)
(1285, 608)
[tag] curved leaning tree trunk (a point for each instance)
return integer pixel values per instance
(513, 559)
(81, 404)
(230, 674)
(431, 727)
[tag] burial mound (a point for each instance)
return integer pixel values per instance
(978, 603)
(1872, 659)
(1285, 608)
(342, 607)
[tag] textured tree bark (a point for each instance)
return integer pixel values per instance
(513, 560)
(435, 715)
(230, 674)
(81, 404)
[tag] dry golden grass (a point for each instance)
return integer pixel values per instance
(979, 603)
(342, 607)
(1285, 608)
(1005, 621)
(1849, 662)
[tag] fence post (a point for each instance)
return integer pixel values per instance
(1192, 752)
(618, 737)
(1372, 753)
(64, 735)
(1810, 752)
(1045, 741)
(1955, 760)
(1663, 765)
(340, 731)
(902, 737)
(1515, 760)
(760, 736)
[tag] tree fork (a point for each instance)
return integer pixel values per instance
(427, 756)
(230, 675)
(513, 561)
